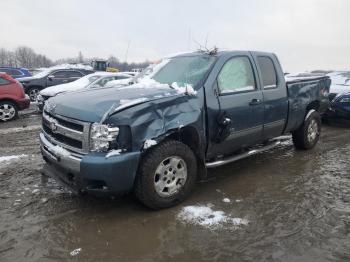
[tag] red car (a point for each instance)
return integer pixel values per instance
(12, 98)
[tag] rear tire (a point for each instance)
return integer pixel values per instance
(8, 111)
(308, 134)
(167, 175)
(33, 93)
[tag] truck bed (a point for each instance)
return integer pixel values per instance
(301, 92)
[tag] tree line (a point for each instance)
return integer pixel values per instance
(23, 56)
(26, 57)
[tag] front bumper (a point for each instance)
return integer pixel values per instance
(93, 173)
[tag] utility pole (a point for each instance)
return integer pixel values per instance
(126, 54)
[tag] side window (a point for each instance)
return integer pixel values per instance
(59, 74)
(15, 72)
(236, 76)
(268, 72)
(74, 74)
(4, 81)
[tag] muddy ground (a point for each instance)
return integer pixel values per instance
(282, 205)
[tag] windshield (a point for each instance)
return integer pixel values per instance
(184, 70)
(86, 80)
(42, 73)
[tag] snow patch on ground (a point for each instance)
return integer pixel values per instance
(19, 129)
(149, 143)
(6, 159)
(205, 216)
(75, 252)
(226, 200)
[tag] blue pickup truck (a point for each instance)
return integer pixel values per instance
(196, 111)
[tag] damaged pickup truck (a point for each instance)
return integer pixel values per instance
(196, 111)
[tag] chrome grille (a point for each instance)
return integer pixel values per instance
(71, 134)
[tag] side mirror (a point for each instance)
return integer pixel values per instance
(50, 77)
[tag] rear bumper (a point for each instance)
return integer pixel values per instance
(23, 103)
(93, 173)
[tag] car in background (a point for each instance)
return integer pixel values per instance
(95, 80)
(16, 72)
(51, 77)
(12, 98)
(339, 96)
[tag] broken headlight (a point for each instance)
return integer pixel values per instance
(101, 136)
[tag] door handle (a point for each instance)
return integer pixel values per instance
(255, 102)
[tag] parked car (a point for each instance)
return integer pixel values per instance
(95, 80)
(200, 110)
(50, 77)
(12, 98)
(16, 72)
(339, 96)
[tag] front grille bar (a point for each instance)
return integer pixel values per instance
(56, 126)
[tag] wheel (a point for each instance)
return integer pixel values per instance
(33, 93)
(8, 111)
(307, 136)
(166, 175)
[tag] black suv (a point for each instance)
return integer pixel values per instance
(50, 77)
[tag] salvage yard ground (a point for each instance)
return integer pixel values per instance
(282, 205)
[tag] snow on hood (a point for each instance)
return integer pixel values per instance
(54, 90)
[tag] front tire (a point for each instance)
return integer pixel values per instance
(8, 111)
(166, 175)
(307, 136)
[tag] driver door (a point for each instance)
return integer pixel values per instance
(241, 111)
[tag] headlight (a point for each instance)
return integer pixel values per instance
(101, 136)
(345, 100)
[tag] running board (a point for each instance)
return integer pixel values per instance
(241, 156)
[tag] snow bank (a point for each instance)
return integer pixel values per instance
(149, 143)
(205, 216)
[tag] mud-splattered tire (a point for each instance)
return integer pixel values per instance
(8, 111)
(307, 136)
(166, 175)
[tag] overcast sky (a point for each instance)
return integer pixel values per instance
(305, 34)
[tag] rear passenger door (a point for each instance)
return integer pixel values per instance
(72, 75)
(240, 116)
(274, 93)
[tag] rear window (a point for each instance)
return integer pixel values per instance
(4, 81)
(268, 72)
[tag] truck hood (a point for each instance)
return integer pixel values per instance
(94, 105)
